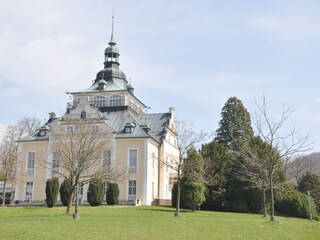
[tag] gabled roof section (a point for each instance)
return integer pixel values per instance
(146, 125)
(35, 136)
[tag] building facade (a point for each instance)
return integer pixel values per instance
(141, 145)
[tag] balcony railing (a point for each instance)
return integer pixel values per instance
(132, 169)
(108, 103)
(30, 170)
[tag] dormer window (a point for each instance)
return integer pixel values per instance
(42, 133)
(129, 127)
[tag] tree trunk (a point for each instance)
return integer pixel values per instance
(177, 213)
(264, 203)
(70, 203)
(76, 213)
(4, 193)
(272, 218)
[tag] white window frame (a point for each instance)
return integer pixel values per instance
(115, 100)
(133, 168)
(132, 186)
(105, 186)
(99, 101)
(81, 190)
(106, 158)
(31, 170)
(55, 162)
(69, 129)
(29, 196)
(95, 128)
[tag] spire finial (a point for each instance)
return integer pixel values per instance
(112, 41)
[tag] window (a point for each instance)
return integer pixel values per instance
(55, 162)
(95, 128)
(132, 191)
(29, 191)
(83, 115)
(106, 158)
(106, 186)
(99, 101)
(115, 100)
(153, 160)
(70, 129)
(152, 190)
(80, 192)
(42, 133)
(128, 129)
(133, 154)
(31, 162)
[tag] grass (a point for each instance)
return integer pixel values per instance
(106, 222)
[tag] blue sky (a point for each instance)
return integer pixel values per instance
(193, 55)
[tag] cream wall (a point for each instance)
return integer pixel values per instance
(153, 178)
(39, 177)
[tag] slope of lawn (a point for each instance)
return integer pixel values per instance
(107, 222)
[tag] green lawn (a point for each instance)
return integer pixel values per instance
(118, 222)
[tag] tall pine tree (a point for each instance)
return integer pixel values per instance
(235, 124)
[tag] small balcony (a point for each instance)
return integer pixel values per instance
(108, 103)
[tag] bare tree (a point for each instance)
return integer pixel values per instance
(78, 147)
(187, 137)
(28, 125)
(301, 165)
(251, 167)
(9, 150)
(280, 145)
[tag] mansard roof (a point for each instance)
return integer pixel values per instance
(152, 125)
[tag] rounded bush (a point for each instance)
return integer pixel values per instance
(65, 192)
(52, 191)
(292, 202)
(95, 192)
(113, 194)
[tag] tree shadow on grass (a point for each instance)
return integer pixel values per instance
(164, 209)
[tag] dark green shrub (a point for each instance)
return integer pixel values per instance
(214, 199)
(65, 192)
(292, 202)
(113, 194)
(174, 195)
(52, 191)
(311, 182)
(8, 199)
(191, 194)
(95, 192)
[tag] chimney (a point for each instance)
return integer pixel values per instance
(52, 116)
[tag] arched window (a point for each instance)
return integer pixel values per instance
(99, 101)
(83, 115)
(115, 100)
